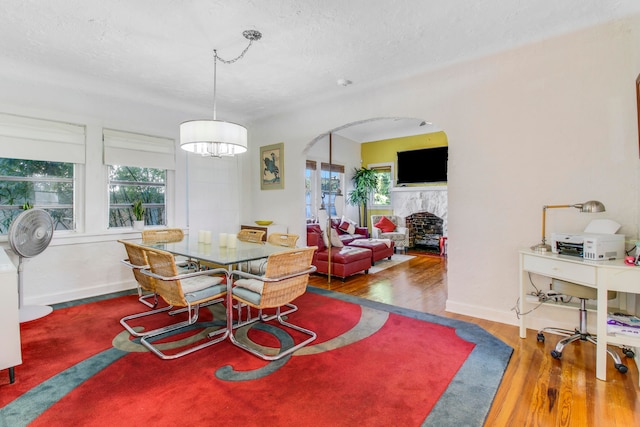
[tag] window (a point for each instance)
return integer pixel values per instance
(381, 197)
(138, 170)
(128, 184)
(41, 184)
(39, 163)
(331, 185)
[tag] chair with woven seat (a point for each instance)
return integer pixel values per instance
(285, 279)
(250, 235)
(583, 293)
(137, 260)
(191, 290)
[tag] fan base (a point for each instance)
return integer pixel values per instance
(33, 312)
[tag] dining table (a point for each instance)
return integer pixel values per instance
(215, 253)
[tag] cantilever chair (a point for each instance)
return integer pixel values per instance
(583, 293)
(191, 290)
(250, 235)
(137, 260)
(285, 279)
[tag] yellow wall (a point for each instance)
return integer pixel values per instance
(384, 151)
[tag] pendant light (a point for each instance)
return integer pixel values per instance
(216, 138)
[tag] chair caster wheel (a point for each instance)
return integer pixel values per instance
(629, 353)
(621, 368)
(540, 337)
(556, 354)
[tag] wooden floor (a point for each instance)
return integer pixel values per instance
(536, 390)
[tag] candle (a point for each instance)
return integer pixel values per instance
(232, 241)
(222, 238)
(207, 237)
(201, 236)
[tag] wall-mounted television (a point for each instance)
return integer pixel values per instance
(423, 166)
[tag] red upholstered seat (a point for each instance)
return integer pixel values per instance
(379, 249)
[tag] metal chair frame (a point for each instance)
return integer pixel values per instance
(170, 289)
(281, 286)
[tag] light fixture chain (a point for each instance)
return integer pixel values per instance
(231, 61)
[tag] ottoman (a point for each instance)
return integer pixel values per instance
(345, 261)
(380, 248)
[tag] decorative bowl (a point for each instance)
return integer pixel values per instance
(263, 222)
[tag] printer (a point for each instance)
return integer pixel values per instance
(598, 242)
(595, 247)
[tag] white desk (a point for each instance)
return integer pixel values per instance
(603, 275)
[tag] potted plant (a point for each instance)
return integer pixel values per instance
(138, 212)
(365, 182)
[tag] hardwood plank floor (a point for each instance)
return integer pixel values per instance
(536, 389)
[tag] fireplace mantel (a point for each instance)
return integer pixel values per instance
(422, 188)
(409, 200)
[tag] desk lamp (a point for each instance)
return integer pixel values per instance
(592, 206)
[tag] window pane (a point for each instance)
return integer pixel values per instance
(330, 185)
(41, 184)
(128, 184)
(382, 194)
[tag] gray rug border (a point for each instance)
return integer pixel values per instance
(468, 398)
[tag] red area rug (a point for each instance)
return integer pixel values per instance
(370, 365)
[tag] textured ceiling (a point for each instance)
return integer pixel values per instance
(163, 49)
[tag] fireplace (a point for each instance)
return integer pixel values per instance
(425, 230)
(425, 210)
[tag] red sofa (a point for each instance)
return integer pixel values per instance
(345, 261)
(346, 238)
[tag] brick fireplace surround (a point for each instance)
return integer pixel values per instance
(425, 230)
(425, 211)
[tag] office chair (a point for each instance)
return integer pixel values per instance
(584, 293)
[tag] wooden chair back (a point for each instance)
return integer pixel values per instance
(283, 239)
(162, 235)
(250, 235)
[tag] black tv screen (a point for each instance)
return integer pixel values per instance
(423, 166)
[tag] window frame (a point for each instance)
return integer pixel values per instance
(76, 169)
(384, 165)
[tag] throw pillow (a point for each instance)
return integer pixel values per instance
(347, 225)
(335, 239)
(385, 224)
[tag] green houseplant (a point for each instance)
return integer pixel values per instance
(365, 182)
(138, 212)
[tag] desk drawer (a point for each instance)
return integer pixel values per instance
(570, 271)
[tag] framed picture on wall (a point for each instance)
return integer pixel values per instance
(272, 167)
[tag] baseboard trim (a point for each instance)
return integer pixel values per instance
(75, 294)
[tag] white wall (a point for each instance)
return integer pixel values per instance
(550, 123)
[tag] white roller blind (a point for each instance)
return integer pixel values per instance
(135, 149)
(38, 139)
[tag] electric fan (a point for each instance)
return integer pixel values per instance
(30, 234)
